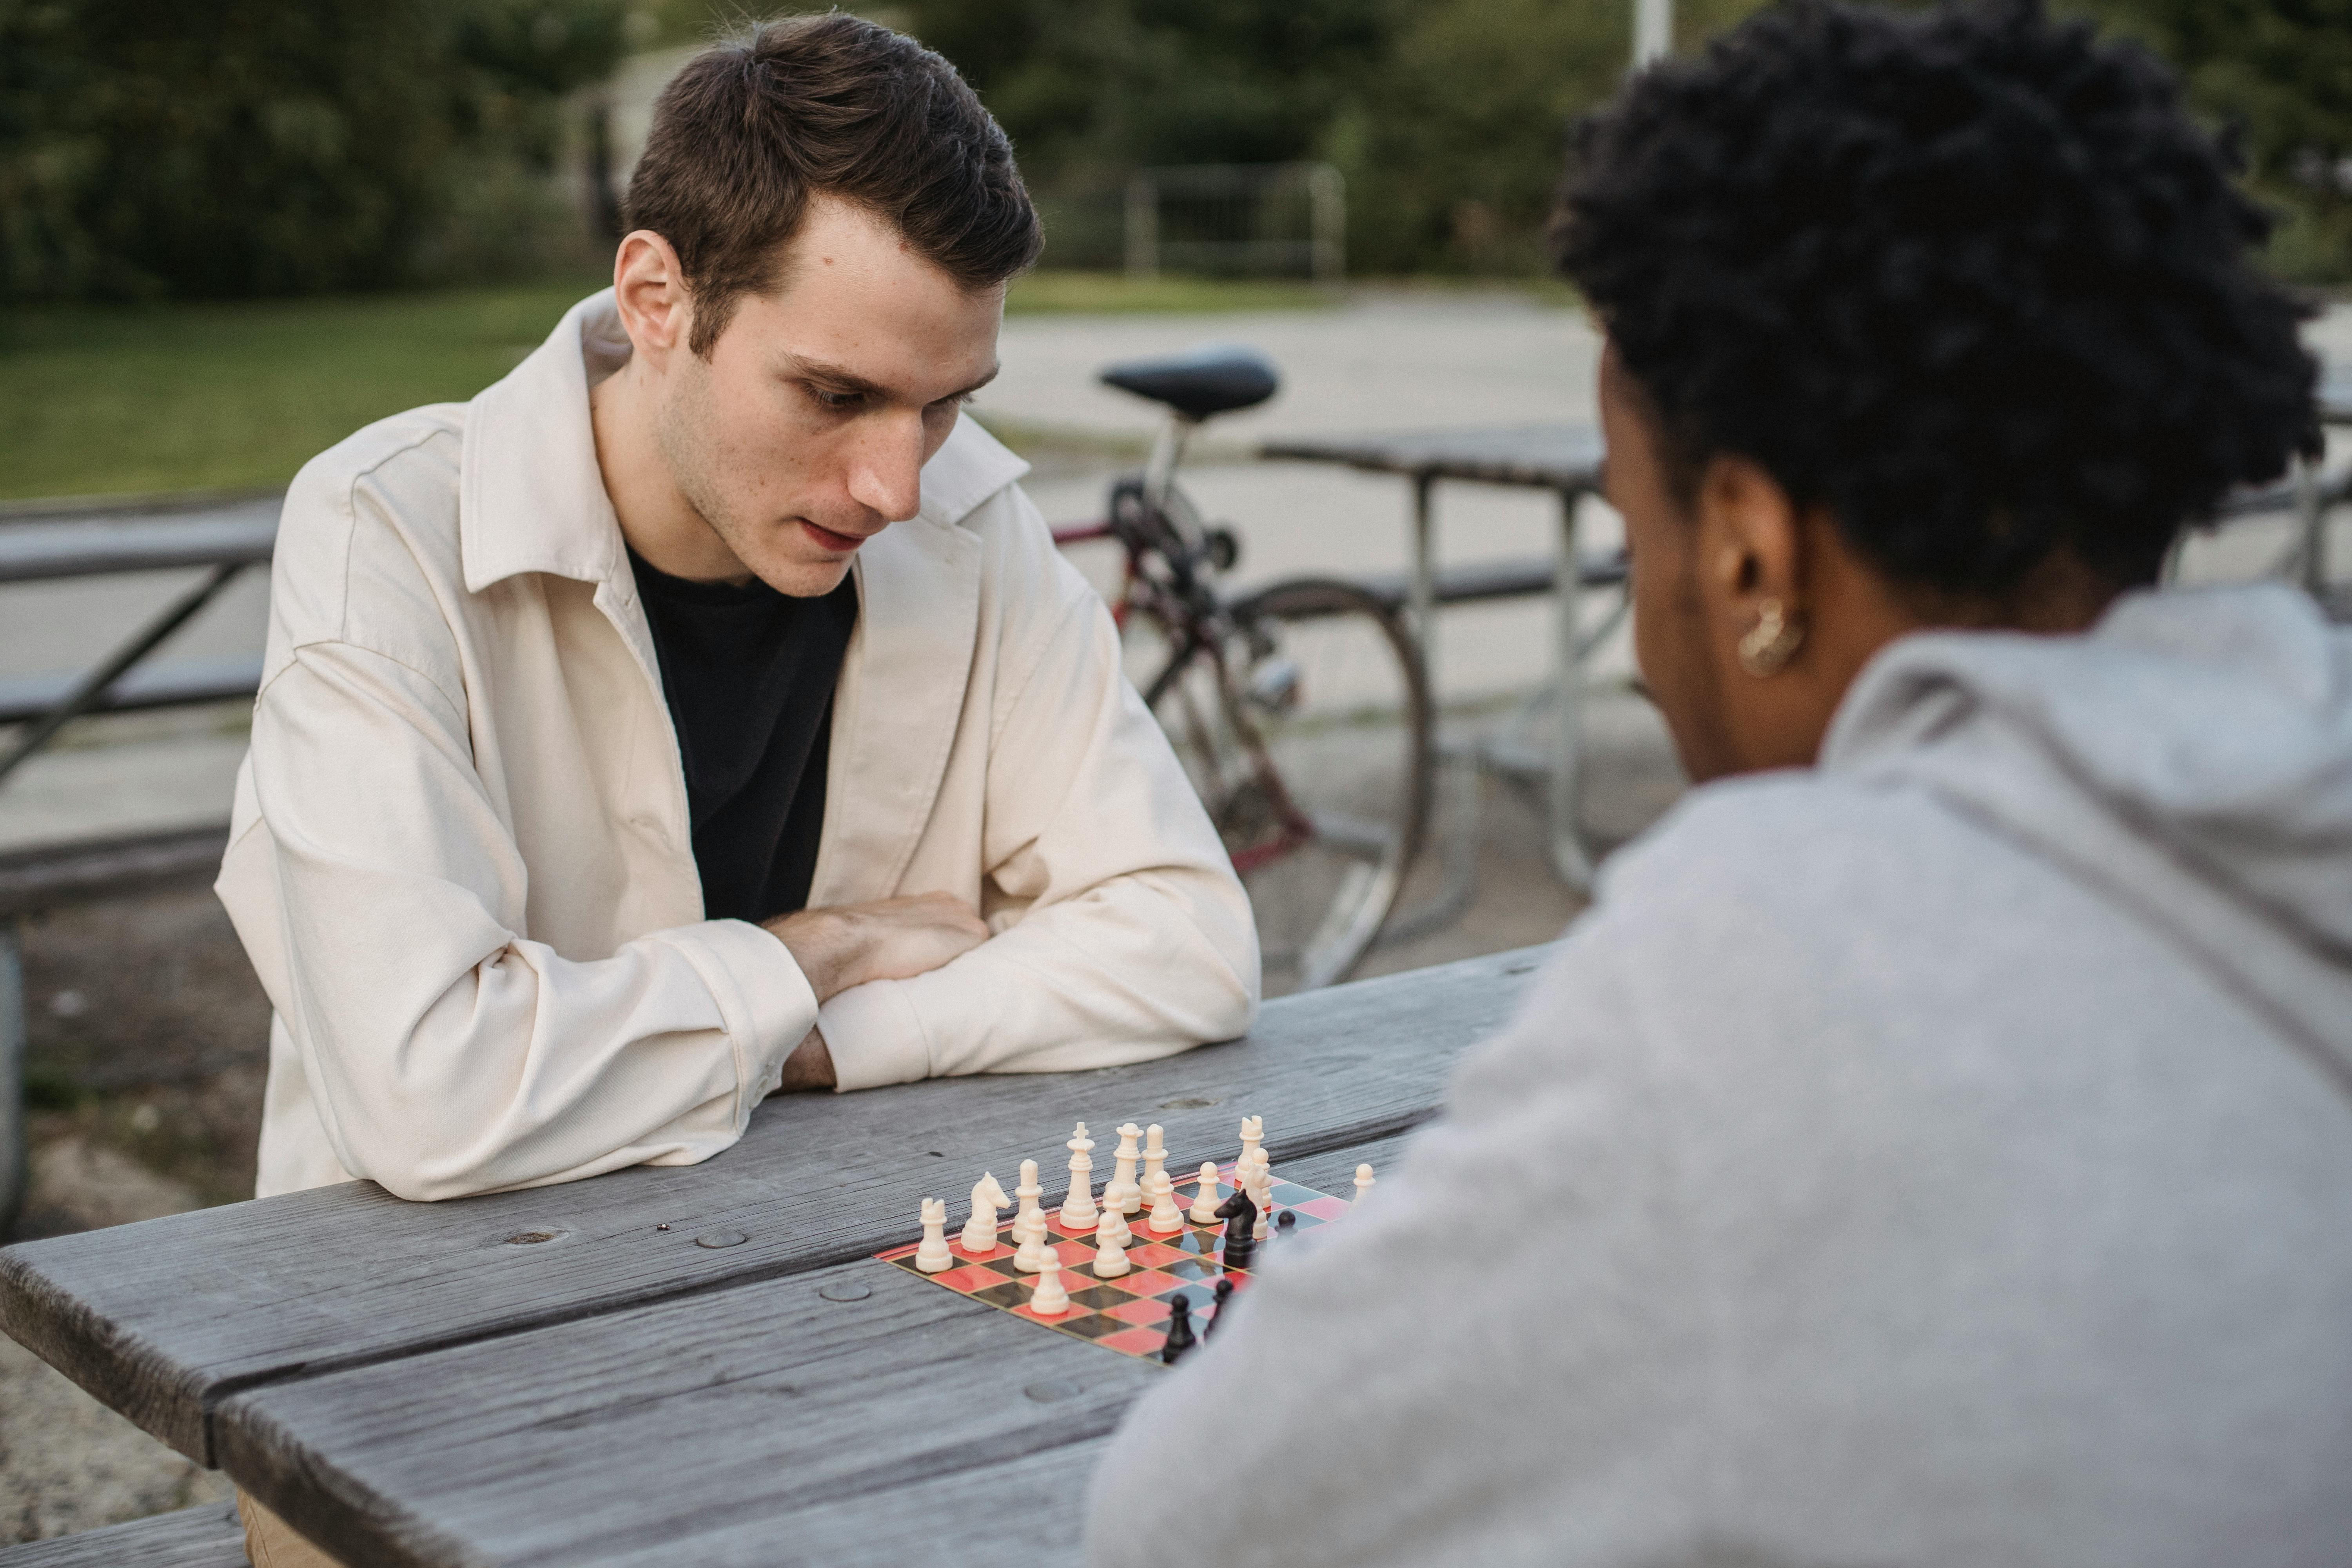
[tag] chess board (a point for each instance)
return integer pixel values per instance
(1128, 1314)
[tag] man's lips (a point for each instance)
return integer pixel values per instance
(844, 543)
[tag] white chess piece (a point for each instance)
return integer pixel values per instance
(1363, 1181)
(1078, 1209)
(1122, 1194)
(1029, 1224)
(933, 1256)
(987, 1198)
(1155, 1156)
(1205, 1200)
(1262, 1194)
(1110, 1247)
(1166, 1219)
(1050, 1300)
(1253, 1134)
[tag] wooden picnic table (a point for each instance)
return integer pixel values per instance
(1566, 459)
(702, 1363)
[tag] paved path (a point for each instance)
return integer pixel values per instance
(1388, 360)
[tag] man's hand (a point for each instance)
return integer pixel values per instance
(893, 939)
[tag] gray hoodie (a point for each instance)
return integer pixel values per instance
(1943, 1157)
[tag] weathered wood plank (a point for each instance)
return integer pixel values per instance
(206, 1537)
(760, 1425)
(162, 1319)
(643, 1431)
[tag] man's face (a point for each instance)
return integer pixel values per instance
(1672, 629)
(804, 433)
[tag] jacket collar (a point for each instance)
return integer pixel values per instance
(531, 498)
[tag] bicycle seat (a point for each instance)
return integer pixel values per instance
(1216, 378)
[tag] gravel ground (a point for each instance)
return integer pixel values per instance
(148, 1045)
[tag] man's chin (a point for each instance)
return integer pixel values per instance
(800, 579)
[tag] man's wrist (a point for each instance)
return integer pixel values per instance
(809, 1066)
(820, 943)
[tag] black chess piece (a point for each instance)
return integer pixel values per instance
(1179, 1331)
(1240, 1214)
(1284, 1220)
(1224, 1294)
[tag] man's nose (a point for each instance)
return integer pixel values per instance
(887, 467)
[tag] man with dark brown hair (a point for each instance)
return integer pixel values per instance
(703, 708)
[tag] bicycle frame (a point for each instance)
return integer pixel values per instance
(1189, 609)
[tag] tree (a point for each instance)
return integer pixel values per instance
(2278, 74)
(274, 146)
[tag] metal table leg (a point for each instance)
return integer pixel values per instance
(1455, 772)
(1569, 854)
(12, 1080)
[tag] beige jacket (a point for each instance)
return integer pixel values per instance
(461, 857)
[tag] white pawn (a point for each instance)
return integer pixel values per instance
(1122, 1194)
(1166, 1219)
(1078, 1208)
(1049, 1300)
(933, 1256)
(1262, 1194)
(1155, 1157)
(1029, 1225)
(987, 1198)
(1110, 1247)
(1205, 1200)
(1363, 1181)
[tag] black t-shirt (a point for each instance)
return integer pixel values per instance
(749, 674)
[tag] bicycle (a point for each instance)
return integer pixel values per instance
(1300, 711)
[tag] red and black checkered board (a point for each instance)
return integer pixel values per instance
(1128, 1314)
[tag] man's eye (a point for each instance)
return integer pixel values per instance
(837, 401)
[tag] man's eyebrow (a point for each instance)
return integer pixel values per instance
(842, 380)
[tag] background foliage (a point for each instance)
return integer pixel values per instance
(272, 147)
(257, 147)
(1446, 115)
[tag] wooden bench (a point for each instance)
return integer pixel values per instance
(206, 1537)
(222, 536)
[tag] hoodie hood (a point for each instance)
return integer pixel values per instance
(2189, 758)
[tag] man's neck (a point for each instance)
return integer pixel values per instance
(656, 520)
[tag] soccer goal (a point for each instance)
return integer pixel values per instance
(1236, 219)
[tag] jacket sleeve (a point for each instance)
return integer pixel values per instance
(1434, 1378)
(1122, 931)
(446, 1053)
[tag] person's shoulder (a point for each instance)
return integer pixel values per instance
(382, 503)
(1765, 840)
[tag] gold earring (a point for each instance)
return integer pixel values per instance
(1772, 643)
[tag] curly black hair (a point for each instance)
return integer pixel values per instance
(1970, 280)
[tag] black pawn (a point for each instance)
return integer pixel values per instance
(1179, 1331)
(1224, 1294)
(1284, 1221)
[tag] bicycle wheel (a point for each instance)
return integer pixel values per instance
(1305, 726)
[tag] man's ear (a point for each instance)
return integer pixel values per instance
(1750, 543)
(649, 286)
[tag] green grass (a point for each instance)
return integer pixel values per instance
(1100, 293)
(196, 397)
(178, 397)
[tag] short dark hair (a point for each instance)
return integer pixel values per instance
(826, 105)
(1970, 280)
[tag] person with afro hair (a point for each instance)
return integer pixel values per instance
(1935, 1144)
